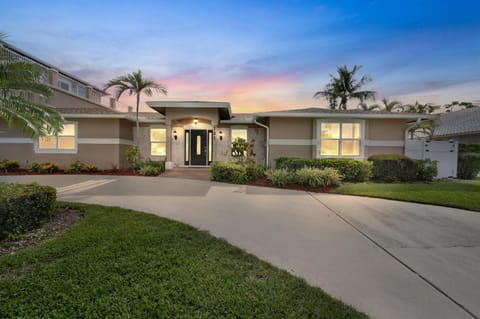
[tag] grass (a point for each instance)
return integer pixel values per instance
(118, 263)
(464, 195)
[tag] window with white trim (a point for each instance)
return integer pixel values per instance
(158, 141)
(238, 133)
(340, 139)
(65, 141)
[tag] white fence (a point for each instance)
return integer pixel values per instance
(445, 152)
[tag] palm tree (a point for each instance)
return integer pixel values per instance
(135, 84)
(19, 82)
(390, 106)
(365, 107)
(420, 108)
(345, 87)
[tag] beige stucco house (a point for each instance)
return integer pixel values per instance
(195, 133)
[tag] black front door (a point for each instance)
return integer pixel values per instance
(198, 147)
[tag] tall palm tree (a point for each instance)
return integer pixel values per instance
(390, 106)
(345, 87)
(135, 84)
(19, 83)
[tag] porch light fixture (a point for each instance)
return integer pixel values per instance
(195, 121)
(175, 136)
(220, 135)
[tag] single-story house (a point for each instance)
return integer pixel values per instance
(195, 133)
(462, 126)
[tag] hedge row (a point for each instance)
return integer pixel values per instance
(351, 170)
(398, 168)
(307, 176)
(24, 207)
(468, 161)
(468, 165)
(235, 173)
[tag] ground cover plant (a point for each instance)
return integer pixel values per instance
(9, 166)
(121, 263)
(444, 193)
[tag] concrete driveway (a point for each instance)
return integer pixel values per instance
(389, 259)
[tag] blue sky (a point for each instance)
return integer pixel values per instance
(259, 55)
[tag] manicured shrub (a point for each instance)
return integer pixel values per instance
(228, 172)
(393, 168)
(75, 167)
(468, 165)
(427, 169)
(280, 176)
(9, 166)
(254, 172)
(44, 167)
(91, 167)
(315, 177)
(24, 207)
(152, 168)
(351, 170)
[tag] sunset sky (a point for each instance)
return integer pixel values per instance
(258, 55)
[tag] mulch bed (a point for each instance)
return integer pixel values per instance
(64, 219)
(266, 183)
(105, 172)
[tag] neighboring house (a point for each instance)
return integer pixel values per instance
(92, 133)
(462, 126)
(193, 133)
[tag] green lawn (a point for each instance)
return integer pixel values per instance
(120, 263)
(464, 195)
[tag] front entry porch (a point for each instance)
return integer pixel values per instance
(198, 173)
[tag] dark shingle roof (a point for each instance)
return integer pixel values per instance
(459, 123)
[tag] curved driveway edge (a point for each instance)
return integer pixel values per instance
(389, 259)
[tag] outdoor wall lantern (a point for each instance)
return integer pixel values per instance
(220, 135)
(175, 136)
(195, 121)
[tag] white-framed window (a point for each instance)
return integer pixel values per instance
(64, 142)
(158, 141)
(71, 86)
(340, 138)
(238, 133)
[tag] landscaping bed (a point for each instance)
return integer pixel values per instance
(61, 172)
(63, 219)
(122, 263)
(264, 182)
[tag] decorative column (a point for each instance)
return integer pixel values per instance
(168, 160)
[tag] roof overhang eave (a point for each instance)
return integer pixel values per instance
(345, 115)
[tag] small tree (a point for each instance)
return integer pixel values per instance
(134, 158)
(242, 151)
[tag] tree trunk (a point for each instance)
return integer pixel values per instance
(137, 139)
(343, 103)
